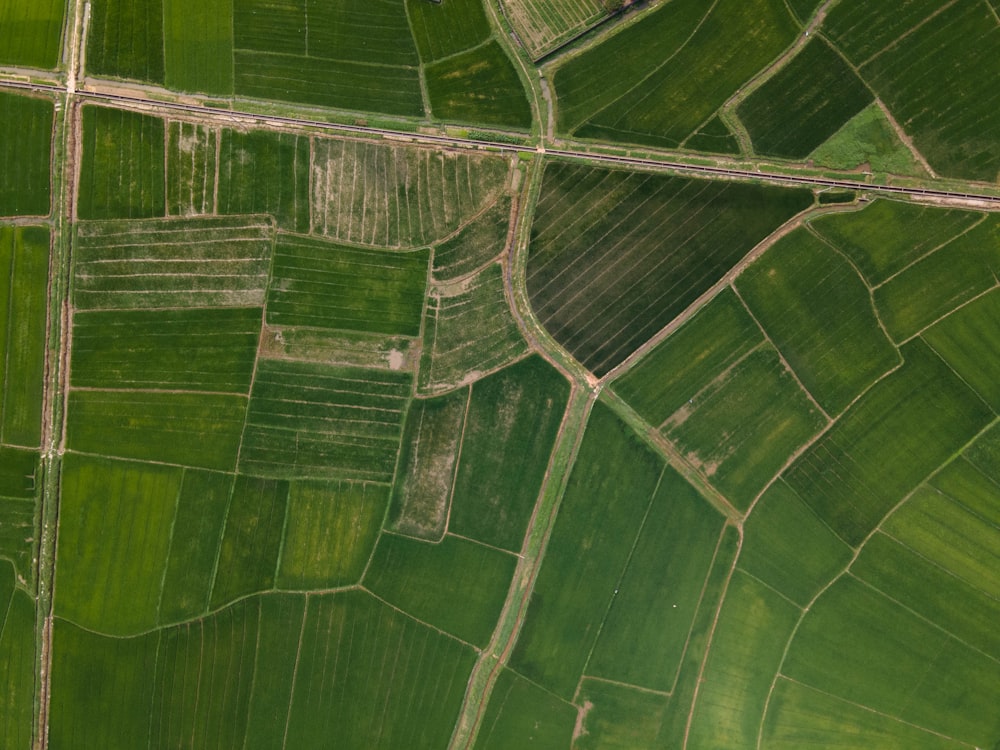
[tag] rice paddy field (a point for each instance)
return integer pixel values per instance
(381, 375)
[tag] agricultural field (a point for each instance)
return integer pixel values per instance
(31, 33)
(543, 26)
(25, 154)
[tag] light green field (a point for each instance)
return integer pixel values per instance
(520, 712)
(867, 138)
(198, 45)
(618, 717)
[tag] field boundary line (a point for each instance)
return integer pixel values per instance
(933, 250)
(920, 334)
(170, 542)
(628, 685)
(481, 544)
(923, 21)
(295, 673)
(416, 619)
(904, 137)
(765, 584)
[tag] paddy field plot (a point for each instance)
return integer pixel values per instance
(20, 488)
(542, 26)
(392, 196)
(469, 330)
(125, 40)
(191, 172)
(616, 255)
(618, 717)
(521, 711)
(445, 29)
(715, 137)
(17, 662)
(25, 153)
(24, 265)
(31, 33)
(476, 244)
(198, 45)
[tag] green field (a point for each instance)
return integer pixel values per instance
(884, 446)
(24, 258)
(468, 331)
(867, 138)
(308, 421)
(476, 244)
(520, 712)
(125, 40)
(133, 265)
(191, 173)
(265, 173)
(819, 314)
(322, 285)
(617, 255)
(618, 717)
(393, 196)
(25, 152)
(198, 45)
(542, 25)
(456, 585)
(122, 174)
(445, 29)
(31, 33)
(196, 349)
(715, 137)
(804, 103)
(479, 86)
(18, 680)
(707, 53)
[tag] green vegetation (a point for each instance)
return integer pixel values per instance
(476, 244)
(191, 173)
(509, 432)
(445, 29)
(309, 421)
(122, 175)
(480, 86)
(887, 236)
(616, 255)
(319, 284)
(867, 138)
(818, 312)
(804, 103)
(942, 281)
(30, 35)
(804, 8)
(24, 266)
(456, 585)
(330, 532)
(468, 330)
(520, 712)
(17, 668)
(26, 122)
(707, 53)
(602, 512)
(130, 265)
(190, 429)
(371, 193)
(125, 39)
(198, 45)
(713, 136)
(618, 717)
(265, 173)
(886, 443)
(196, 349)
(543, 25)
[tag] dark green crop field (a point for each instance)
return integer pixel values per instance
(616, 255)
(31, 32)
(25, 154)
(126, 39)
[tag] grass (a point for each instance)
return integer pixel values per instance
(887, 236)
(619, 717)
(479, 86)
(476, 244)
(191, 173)
(747, 648)
(329, 534)
(432, 441)
(316, 283)
(398, 196)
(134, 265)
(263, 172)
(644, 635)
(787, 547)
(743, 426)
(251, 540)
(808, 100)
(616, 255)
(714, 339)
(819, 314)
(25, 152)
(198, 45)
(883, 447)
(115, 528)
(30, 34)
(707, 57)
(309, 421)
(858, 645)
(17, 662)
(194, 544)
(509, 433)
(122, 172)
(444, 29)
(602, 512)
(520, 712)
(962, 337)
(456, 585)
(125, 40)
(468, 330)
(189, 429)
(867, 138)
(24, 258)
(937, 284)
(197, 349)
